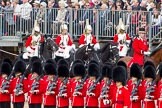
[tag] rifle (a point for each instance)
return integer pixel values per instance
(63, 87)
(36, 83)
(52, 85)
(105, 89)
(19, 86)
(134, 91)
(151, 88)
(92, 87)
(80, 86)
(5, 84)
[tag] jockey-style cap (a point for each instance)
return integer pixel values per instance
(37, 29)
(159, 69)
(149, 72)
(107, 71)
(63, 70)
(37, 67)
(141, 30)
(93, 70)
(50, 69)
(8, 61)
(119, 74)
(62, 62)
(20, 66)
(148, 63)
(135, 71)
(5, 68)
(79, 69)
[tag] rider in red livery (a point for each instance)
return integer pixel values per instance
(135, 86)
(140, 47)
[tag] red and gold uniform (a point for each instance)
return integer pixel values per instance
(149, 102)
(138, 95)
(92, 100)
(108, 95)
(77, 100)
(63, 101)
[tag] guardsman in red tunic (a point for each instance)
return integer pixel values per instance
(159, 72)
(63, 85)
(32, 44)
(88, 38)
(149, 88)
(64, 42)
(93, 86)
(50, 86)
(19, 85)
(121, 94)
(140, 47)
(5, 97)
(134, 86)
(122, 39)
(107, 87)
(36, 86)
(78, 85)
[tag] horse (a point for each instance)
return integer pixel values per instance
(46, 51)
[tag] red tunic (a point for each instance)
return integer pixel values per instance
(5, 97)
(49, 100)
(149, 103)
(79, 99)
(83, 41)
(29, 40)
(19, 98)
(159, 94)
(36, 98)
(116, 38)
(139, 46)
(63, 101)
(92, 101)
(109, 93)
(58, 40)
(137, 103)
(121, 97)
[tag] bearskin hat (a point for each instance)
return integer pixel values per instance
(94, 61)
(93, 70)
(79, 69)
(63, 71)
(148, 63)
(107, 71)
(119, 74)
(20, 66)
(122, 63)
(78, 61)
(52, 62)
(33, 59)
(159, 69)
(6, 68)
(37, 67)
(149, 72)
(50, 69)
(135, 71)
(62, 62)
(8, 61)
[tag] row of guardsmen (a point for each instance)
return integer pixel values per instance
(112, 89)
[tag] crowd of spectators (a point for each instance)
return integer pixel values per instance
(20, 15)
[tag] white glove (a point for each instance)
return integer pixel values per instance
(28, 49)
(97, 46)
(147, 53)
(106, 101)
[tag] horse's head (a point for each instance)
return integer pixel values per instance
(89, 48)
(51, 45)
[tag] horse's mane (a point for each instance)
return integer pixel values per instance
(105, 47)
(155, 51)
